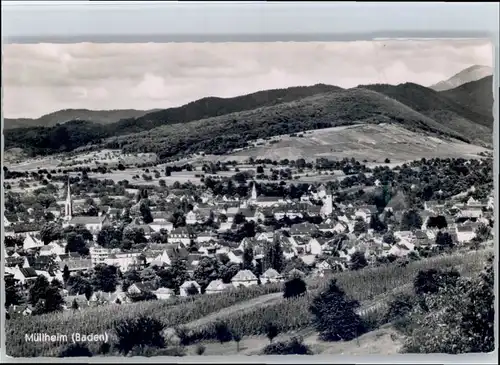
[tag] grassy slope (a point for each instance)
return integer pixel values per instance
(216, 135)
(439, 107)
(364, 141)
(366, 285)
(476, 96)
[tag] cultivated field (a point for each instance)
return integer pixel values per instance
(370, 286)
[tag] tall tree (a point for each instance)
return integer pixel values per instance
(66, 274)
(12, 294)
(334, 315)
(248, 259)
(50, 232)
(104, 278)
(109, 237)
(278, 260)
(411, 220)
(76, 243)
(147, 217)
(358, 261)
(208, 269)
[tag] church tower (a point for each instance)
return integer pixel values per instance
(254, 192)
(327, 208)
(68, 205)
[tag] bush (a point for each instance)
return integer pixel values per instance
(432, 280)
(294, 346)
(271, 331)
(140, 332)
(184, 335)
(104, 348)
(200, 349)
(222, 332)
(459, 318)
(399, 307)
(76, 350)
(334, 315)
(294, 288)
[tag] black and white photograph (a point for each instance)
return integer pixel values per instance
(248, 198)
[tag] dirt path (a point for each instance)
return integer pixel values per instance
(259, 301)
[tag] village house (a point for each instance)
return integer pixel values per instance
(471, 213)
(192, 218)
(98, 254)
(401, 249)
(123, 260)
(31, 242)
(303, 230)
(185, 287)
(25, 275)
(181, 234)
(80, 300)
(20, 310)
(244, 278)
(271, 276)
(164, 293)
(160, 221)
(217, 286)
(100, 297)
(92, 224)
(295, 273)
(206, 236)
(141, 288)
(322, 269)
(465, 232)
(75, 264)
(54, 248)
(434, 206)
(235, 256)
(326, 227)
(366, 212)
(315, 246)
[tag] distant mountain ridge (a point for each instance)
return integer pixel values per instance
(132, 121)
(217, 125)
(472, 73)
(476, 96)
(65, 115)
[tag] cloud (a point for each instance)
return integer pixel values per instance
(42, 78)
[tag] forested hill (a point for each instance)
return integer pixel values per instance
(217, 125)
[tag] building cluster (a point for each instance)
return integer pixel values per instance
(317, 245)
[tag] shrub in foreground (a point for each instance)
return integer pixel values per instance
(294, 288)
(457, 319)
(139, 332)
(76, 350)
(295, 346)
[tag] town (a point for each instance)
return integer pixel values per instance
(104, 243)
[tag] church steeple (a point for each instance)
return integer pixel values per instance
(68, 206)
(254, 191)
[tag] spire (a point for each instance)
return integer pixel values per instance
(254, 191)
(68, 206)
(68, 195)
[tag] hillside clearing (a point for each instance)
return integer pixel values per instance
(372, 142)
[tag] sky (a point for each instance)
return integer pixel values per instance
(42, 78)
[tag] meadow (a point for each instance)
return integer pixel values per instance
(370, 284)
